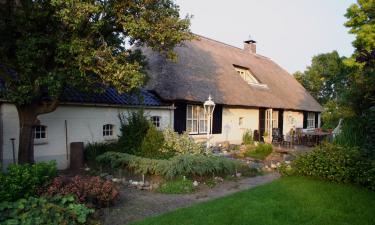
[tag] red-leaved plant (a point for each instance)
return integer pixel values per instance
(92, 191)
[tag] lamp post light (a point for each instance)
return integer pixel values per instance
(209, 107)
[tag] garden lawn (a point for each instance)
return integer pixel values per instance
(291, 200)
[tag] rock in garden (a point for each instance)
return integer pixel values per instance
(288, 157)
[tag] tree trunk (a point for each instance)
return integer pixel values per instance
(28, 119)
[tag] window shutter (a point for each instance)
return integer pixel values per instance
(316, 120)
(217, 119)
(180, 117)
(281, 121)
(262, 118)
(305, 119)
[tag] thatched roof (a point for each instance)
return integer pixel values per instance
(205, 66)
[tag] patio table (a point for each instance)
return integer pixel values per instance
(316, 136)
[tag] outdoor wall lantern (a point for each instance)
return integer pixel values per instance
(209, 107)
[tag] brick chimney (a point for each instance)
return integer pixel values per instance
(250, 46)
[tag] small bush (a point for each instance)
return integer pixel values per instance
(261, 151)
(152, 145)
(57, 210)
(134, 127)
(92, 191)
(180, 165)
(21, 181)
(178, 144)
(247, 138)
(93, 150)
(179, 186)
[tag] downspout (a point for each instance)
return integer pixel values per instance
(1, 137)
(171, 117)
(66, 142)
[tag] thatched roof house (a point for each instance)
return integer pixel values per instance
(237, 79)
(206, 66)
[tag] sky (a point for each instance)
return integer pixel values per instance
(290, 32)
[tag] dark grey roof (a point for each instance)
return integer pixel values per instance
(112, 97)
(205, 66)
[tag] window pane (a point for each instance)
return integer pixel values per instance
(188, 125)
(195, 126)
(189, 111)
(195, 112)
(202, 126)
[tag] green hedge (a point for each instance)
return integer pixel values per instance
(180, 165)
(336, 163)
(22, 181)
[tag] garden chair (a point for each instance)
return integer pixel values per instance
(276, 135)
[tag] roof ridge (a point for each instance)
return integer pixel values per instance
(220, 42)
(232, 46)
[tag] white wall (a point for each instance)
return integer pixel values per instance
(84, 124)
(231, 130)
(292, 119)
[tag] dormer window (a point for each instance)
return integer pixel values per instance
(246, 75)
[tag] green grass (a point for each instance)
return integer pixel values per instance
(287, 201)
(259, 152)
(179, 186)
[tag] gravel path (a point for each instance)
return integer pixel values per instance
(136, 204)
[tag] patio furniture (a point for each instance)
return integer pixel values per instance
(276, 135)
(299, 136)
(289, 138)
(315, 137)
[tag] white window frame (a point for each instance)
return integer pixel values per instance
(197, 115)
(156, 121)
(108, 130)
(275, 119)
(38, 131)
(310, 120)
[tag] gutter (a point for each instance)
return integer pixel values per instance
(116, 106)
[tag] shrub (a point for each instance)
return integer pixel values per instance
(247, 137)
(336, 163)
(152, 144)
(134, 127)
(92, 191)
(22, 181)
(261, 151)
(57, 210)
(180, 143)
(331, 162)
(93, 150)
(179, 186)
(180, 165)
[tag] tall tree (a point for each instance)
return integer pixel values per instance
(326, 79)
(326, 76)
(361, 21)
(360, 94)
(48, 45)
